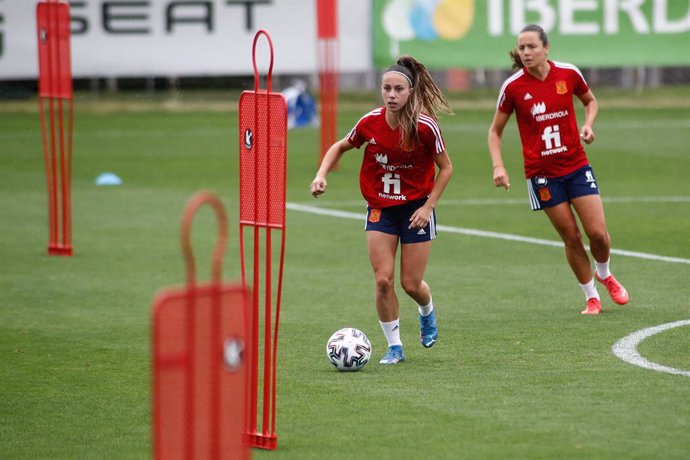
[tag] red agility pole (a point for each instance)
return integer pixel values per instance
(200, 354)
(55, 86)
(327, 34)
(263, 163)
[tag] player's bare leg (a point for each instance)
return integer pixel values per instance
(382, 248)
(413, 262)
(591, 212)
(563, 220)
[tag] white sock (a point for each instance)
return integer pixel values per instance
(391, 330)
(590, 290)
(425, 310)
(603, 269)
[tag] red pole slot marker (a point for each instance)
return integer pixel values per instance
(200, 355)
(55, 87)
(263, 166)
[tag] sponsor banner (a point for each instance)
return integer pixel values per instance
(480, 33)
(120, 38)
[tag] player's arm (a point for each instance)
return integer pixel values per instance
(319, 184)
(421, 216)
(498, 124)
(591, 109)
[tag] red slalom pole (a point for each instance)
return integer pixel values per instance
(55, 86)
(327, 39)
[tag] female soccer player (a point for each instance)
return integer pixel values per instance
(404, 147)
(559, 176)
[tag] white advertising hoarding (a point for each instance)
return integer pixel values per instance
(121, 38)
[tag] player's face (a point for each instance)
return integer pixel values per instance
(531, 50)
(395, 90)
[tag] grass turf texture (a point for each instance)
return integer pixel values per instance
(517, 372)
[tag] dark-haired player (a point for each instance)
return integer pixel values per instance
(560, 179)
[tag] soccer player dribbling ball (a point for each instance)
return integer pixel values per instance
(398, 180)
(560, 179)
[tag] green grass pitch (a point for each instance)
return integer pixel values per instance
(517, 372)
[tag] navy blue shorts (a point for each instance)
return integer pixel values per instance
(395, 220)
(546, 192)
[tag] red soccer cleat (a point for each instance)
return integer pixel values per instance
(593, 307)
(616, 289)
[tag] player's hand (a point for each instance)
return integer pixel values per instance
(318, 186)
(420, 218)
(587, 134)
(501, 178)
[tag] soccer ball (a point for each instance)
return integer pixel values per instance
(348, 349)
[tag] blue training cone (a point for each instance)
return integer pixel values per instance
(108, 178)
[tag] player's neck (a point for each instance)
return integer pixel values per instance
(392, 119)
(541, 71)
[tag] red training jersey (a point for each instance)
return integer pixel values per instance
(389, 175)
(546, 119)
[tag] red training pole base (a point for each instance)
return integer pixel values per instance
(60, 250)
(262, 441)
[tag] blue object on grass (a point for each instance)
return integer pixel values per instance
(108, 178)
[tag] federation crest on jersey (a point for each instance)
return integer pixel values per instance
(561, 87)
(374, 215)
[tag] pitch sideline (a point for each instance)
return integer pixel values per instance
(483, 233)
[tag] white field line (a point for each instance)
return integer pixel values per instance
(482, 233)
(626, 348)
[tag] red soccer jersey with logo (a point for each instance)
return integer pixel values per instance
(389, 175)
(546, 119)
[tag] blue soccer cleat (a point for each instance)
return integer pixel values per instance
(395, 355)
(428, 332)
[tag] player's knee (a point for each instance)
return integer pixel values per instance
(599, 238)
(573, 240)
(411, 286)
(384, 285)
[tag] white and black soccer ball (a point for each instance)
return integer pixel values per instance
(348, 349)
